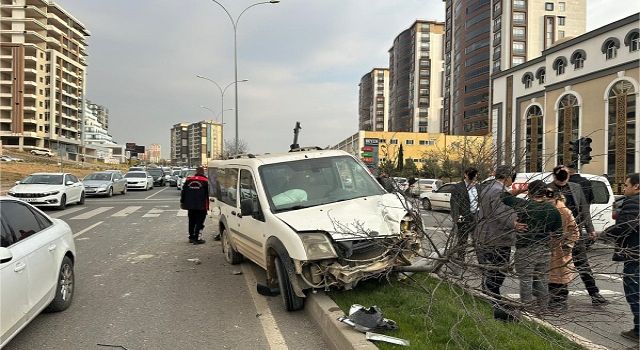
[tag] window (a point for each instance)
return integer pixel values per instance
(632, 40)
(394, 141)
(610, 48)
(612, 51)
(540, 75)
(600, 192)
(518, 48)
(621, 133)
(518, 32)
(568, 123)
(561, 6)
(560, 34)
(535, 134)
(516, 60)
(6, 238)
(527, 80)
(248, 189)
(519, 4)
(408, 142)
(519, 17)
(382, 141)
(577, 58)
(225, 183)
(548, 6)
(20, 220)
(561, 20)
(559, 66)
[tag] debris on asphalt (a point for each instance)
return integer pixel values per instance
(113, 346)
(237, 272)
(258, 315)
(365, 319)
(195, 261)
(385, 338)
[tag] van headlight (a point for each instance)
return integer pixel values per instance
(407, 225)
(318, 246)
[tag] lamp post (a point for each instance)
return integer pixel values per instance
(234, 23)
(222, 110)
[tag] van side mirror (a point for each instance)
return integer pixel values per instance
(17, 182)
(5, 255)
(69, 183)
(246, 207)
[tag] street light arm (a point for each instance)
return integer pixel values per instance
(205, 78)
(233, 23)
(245, 10)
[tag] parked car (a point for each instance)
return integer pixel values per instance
(37, 256)
(158, 176)
(104, 184)
(294, 215)
(183, 176)
(173, 178)
(139, 180)
(49, 190)
(438, 199)
(42, 152)
(402, 183)
(10, 159)
(424, 185)
(137, 168)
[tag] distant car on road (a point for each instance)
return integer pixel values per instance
(137, 168)
(183, 177)
(424, 185)
(438, 199)
(49, 190)
(158, 176)
(42, 152)
(105, 183)
(139, 180)
(10, 159)
(173, 178)
(37, 256)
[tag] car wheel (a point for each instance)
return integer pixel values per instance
(63, 202)
(124, 190)
(426, 203)
(110, 192)
(64, 287)
(230, 254)
(82, 195)
(284, 268)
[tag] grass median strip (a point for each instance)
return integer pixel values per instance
(436, 315)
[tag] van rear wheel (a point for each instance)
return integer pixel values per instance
(230, 254)
(284, 269)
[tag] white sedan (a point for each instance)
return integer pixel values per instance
(49, 190)
(438, 199)
(139, 180)
(37, 258)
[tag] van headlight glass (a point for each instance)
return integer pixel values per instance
(318, 246)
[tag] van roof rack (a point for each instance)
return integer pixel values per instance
(242, 155)
(302, 149)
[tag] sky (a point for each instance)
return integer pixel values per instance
(303, 60)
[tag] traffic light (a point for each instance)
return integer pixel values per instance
(585, 150)
(574, 147)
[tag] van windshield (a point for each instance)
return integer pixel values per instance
(316, 181)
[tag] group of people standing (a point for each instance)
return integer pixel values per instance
(550, 230)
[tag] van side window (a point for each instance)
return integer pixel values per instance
(214, 186)
(247, 186)
(228, 186)
(600, 192)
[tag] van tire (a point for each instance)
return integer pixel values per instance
(230, 254)
(284, 268)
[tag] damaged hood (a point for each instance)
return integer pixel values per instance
(373, 216)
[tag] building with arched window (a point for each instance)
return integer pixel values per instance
(591, 91)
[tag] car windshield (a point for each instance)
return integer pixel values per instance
(316, 181)
(135, 175)
(43, 179)
(155, 172)
(189, 172)
(175, 172)
(98, 176)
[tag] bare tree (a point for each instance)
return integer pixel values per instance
(230, 148)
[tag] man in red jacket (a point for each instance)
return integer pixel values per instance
(195, 198)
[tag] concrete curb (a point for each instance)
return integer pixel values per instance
(338, 336)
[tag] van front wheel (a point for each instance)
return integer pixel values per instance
(284, 268)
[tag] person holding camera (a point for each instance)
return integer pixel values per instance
(625, 232)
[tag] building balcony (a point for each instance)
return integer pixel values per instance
(6, 94)
(30, 120)
(30, 96)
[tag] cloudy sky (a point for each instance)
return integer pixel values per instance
(303, 59)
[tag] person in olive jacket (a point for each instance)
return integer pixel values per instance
(195, 199)
(625, 232)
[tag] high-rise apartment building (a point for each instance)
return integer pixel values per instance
(101, 113)
(153, 153)
(483, 37)
(374, 95)
(415, 78)
(42, 75)
(197, 143)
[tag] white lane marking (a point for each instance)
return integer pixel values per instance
(87, 229)
(153, 213)
(66, 212)
(126, 211)
(577, 293)
(182, 212)
(156, 193)
(609, 277)
(269, 325)
(91, 214)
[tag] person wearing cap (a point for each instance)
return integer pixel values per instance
(195, 199)
(494, 233)
(577, 203)
(532, 256)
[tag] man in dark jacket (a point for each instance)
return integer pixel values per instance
(582, 181)
(625, 232)
(577, 203)
(464, 209)
(195, 198)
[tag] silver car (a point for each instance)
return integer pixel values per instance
(104, 184)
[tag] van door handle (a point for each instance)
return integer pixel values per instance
(233, 212)
(19, 267)
(52, 247)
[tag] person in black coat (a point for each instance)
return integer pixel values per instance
(464, 209)
(626, 235)
(195, 199)
(582, 181)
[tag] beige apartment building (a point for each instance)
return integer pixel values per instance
(194, 144)
(373, 106)
(154, 153)
(583, 87)
(42, 76)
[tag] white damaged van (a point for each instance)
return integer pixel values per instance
(311, 219)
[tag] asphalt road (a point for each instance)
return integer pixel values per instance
(601, 325)
(136, 287)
